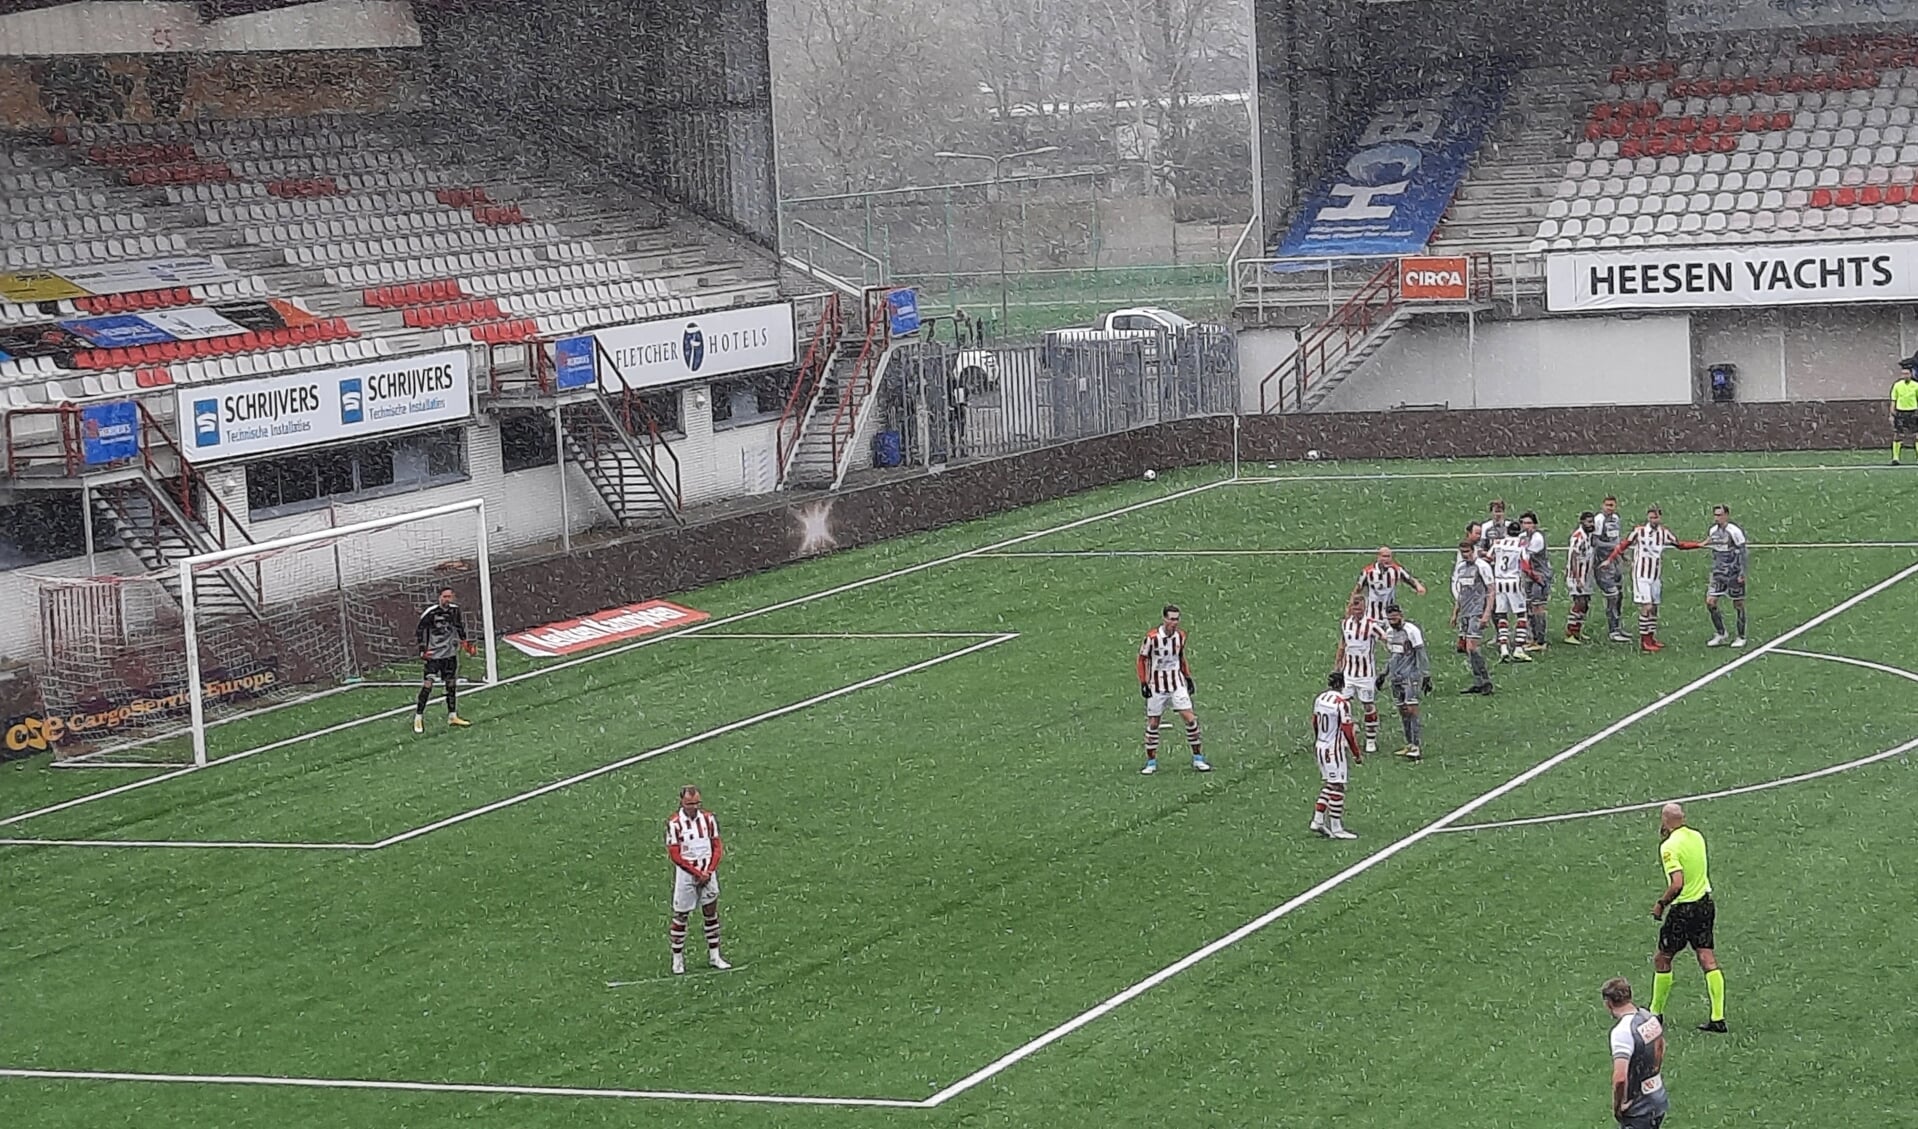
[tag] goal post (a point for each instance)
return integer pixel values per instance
(142, 667)
(192, 568)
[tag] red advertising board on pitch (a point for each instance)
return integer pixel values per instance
(610, 626)
(1424, 277)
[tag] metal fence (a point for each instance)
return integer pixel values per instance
(944, 403)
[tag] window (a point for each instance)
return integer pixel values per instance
(663, 407)
(382, 466)
(751, 399)
(40, 527)
(526, 440)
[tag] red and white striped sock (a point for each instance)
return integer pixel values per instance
(676, 933)
(712, 933)
(1192, 736)
(1152, 742)
(1371, 723)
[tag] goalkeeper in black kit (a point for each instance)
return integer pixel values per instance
(442, 636)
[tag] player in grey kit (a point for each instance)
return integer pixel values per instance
(1639, 1100)
(1730, 557)
(1471, 611)
(1410, 671)
(441, 634)
(1538, 580)
(1607, 529)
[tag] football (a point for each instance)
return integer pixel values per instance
(1313, 455)
(1150, 475)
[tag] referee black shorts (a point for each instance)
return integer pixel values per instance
(1905, 423)
(443, 670)
(1687, 924)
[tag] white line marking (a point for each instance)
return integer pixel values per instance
(1741, 790)
(850, 635)
(1594, 472)
(730, 727)
(1861, 762)
(597, 656)
(1033, 1046)
(1849, 661)
(671, 976)
(391, 840)
(187, 844)
(448, 1088)
(1040, 554)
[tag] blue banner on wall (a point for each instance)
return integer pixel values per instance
(573, 363)
(902, 307)
(1394, 181)
(117, 331)
(109, 432)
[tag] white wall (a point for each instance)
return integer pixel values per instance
(732, 462)
(1807, 353)
(1525, 364)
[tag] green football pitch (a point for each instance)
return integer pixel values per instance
(951, 897)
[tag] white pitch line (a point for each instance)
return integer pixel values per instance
(1849, 661)
(1741, 790)
(1033, 1046)
(730, 727)
(649, 641)
(448, 1088)
(850, 635)
(187, 844)
(1594, 472)
(780, 711)
(1039, 554)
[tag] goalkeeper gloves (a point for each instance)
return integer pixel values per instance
(468, 646)
(1144, 690)
(426, 655)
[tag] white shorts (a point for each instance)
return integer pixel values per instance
(1364, 689)
(1647, 591)
(686, 894)
(1575, 586)
(1507, 601)
(1334, 767)
(1180, 699)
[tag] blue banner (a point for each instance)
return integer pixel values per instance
(573, 364)
(1387, 192)
(109, 432)
(902, 307)
(117, 331)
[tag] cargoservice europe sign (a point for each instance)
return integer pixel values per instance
(281, 413)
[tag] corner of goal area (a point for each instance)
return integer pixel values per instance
(808, 669)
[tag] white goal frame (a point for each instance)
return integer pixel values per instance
(191, 567)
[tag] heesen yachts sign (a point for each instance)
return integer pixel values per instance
(1664, 278)
(280, 413)
(711, 343)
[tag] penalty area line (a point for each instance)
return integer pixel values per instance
(1596, 472)
(1368, 550)
(1033, 1046)
(449, 1088)
(187, 844)
(649, 641)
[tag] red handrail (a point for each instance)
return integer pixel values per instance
(1333, 339)
(846, 418)
(812, 371)
(187, 479)
(633, 411)
(70, 457)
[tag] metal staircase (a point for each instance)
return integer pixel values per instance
(801, 411)
(617, 444)
(152, 518)
(843, 411)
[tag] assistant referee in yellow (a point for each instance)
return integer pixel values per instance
(1904, 409)
(1688, 914)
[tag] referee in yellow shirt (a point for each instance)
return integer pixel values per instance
(1904, 409)
(1687, 912)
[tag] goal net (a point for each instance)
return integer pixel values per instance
(139, 668)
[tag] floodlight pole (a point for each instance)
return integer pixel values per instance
(998, 219)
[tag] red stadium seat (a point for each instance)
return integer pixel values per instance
(1845, 197)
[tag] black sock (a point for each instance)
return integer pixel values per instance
(1480, 673)
(426, 695)
(1718, 619)
(1741, 623)
(452, 696)
(1614, 611)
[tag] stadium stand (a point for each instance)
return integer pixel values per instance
(1755, 138)
(375, 235)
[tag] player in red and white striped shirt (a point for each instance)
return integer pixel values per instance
(1580, 565)
(692, 842)
(1332, 738)
(1379, 583)
(1358, 632)
(1648, 543)
(1165, 679)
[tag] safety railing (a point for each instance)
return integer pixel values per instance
(859, 385)
(1329, 343)
(640, 423)
(198, 502)
(811, 377)
(32, 449)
